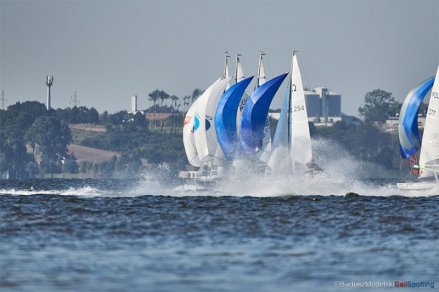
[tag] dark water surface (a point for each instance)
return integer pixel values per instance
(51, 240)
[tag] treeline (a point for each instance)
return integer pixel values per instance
(33, 142)
(29, 124)
(134, 140)
(365, 142)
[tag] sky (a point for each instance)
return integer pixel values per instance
(108, 51)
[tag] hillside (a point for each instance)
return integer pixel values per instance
(84, 153)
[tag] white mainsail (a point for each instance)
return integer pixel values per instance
(292, 138)
(300, 139)
(188, 136)
(206, 141)
(239, 75)
(226, 70)
(261, 71)
(429, 156)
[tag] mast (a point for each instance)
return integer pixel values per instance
(237, 65)
(289, 103)
(226, 69)
(239, 74)
(261, 71)
(226, 65)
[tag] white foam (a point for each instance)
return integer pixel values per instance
(341, 174)
(27, 192)
(84, 192)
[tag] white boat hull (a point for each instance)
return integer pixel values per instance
(417, 186)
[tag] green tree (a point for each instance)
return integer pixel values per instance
(175, 106)
(70, 165)
(119, 118)
(51, 136)
(104, 118)
(155, 96)
(378, 106)
(140, 120)
(195, 94)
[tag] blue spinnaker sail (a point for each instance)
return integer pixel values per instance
(255, 114)
(225, 117)
(409, 140)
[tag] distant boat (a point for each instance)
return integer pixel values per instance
(292, 137)
(408, 132)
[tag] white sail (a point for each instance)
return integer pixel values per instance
(264, 154)
(188, 136)
(206, 141)
(239, 75)
(239, 72)
(261, 71)
(226, 71)
(300, 138)
(429, 156)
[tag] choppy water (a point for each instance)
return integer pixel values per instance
(151, 235)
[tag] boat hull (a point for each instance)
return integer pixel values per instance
(417, 186)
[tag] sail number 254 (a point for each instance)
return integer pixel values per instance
(298, 108)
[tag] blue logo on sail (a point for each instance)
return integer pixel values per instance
(196, 123)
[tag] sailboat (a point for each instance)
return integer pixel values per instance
(255, 113)
(199, 135)
(199, 145)
(205, 137)
(265, 152)
(215, 134)
(428, 166)
(292, 137)
(229, 111)
(188, 137)
(225, 118)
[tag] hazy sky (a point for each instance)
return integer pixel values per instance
(110, 50)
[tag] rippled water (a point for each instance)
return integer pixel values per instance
(152, 235)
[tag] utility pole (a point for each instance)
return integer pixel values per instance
(74, 99)
(3, 99)
(49, 82)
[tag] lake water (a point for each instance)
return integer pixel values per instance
(157, 235)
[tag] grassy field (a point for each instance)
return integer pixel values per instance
(83, 153)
